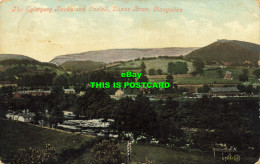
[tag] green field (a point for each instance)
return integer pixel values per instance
(159, 63)
(142, 153)
(209, 76)
(162, 155)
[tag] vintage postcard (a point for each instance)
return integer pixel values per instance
(129, 81)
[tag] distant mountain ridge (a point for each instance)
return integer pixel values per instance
(227, 51)
(83, 65)
(113, 55)
(13, 56)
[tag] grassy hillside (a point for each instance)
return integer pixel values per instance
(83, 66)
(224, 51)
(250, 46)
(16, 135)
(156, 63)
(31, 66)
(12, 56)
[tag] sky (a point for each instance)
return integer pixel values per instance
(45, 35)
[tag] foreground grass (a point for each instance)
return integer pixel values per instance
(141, 153)
(162, 155)
(74, 148)
(15, 135)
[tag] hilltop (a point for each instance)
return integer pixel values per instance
(227, 51)
(113, 55)
(15, 70)
(250, 46)
(13, 56)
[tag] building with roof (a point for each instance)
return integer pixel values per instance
(22, 117)
(32, 92)
(223, 91)
(119, 93)
(69, 91)
(228, 76)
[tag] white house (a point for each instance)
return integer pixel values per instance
(22, 117)
(68, 114)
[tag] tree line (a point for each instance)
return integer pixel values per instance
(216, 120)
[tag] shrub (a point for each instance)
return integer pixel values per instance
(35, 155)
(105, 152)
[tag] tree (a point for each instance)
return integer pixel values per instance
(247, 89)
(56, 105)
(199, 65)
(177, 67)
(257, 73)
(137, 117)
(145, 118)
(143, 66)
(220, 73)
(159, 72)
(143, 79)
(204, 89)
(181, 67)
(245, 71)
(194, 73)
(169, 79)
(106, 152)
(171, 67)
(143, 72)
(123, 114)
(5, 96)
(151, 71)
(61, 80)
(168, 129)
(243, 77)
(95, 103)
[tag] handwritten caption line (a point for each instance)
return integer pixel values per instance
(31, 9)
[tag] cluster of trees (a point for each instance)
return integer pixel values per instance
(177, 67)
(28, 75)
(217, 120)
(248, 89)
(39, 79)
(155, 72)
(25, 62)
(95, 103)
(198, 64)
(204, 89)
(135, 117)
(234, 122)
